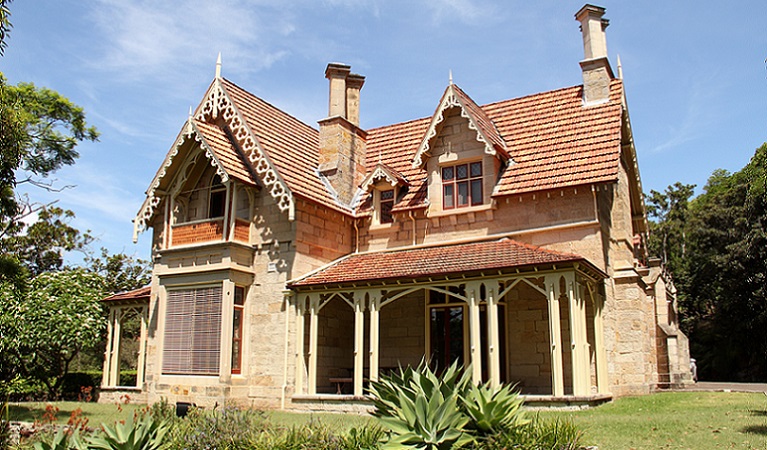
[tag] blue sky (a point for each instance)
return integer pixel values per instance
(695, 74)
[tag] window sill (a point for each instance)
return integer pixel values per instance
(459, 211)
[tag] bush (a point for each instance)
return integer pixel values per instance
(317, 436)
(220, 428)
(425, 411)
(140, 433)
(538, 434)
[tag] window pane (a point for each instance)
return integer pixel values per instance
(447, 196)
(239, 295)
(386, 215)
(217, 200)
(476, 192)
(476, 169)
(387, 195)
(463, 193)
(461, 171)
(447, 173)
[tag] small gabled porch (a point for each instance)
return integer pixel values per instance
(515, 313)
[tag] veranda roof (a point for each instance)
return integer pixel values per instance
(415, 263)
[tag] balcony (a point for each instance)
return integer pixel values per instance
(208, 230)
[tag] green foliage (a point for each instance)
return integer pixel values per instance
(316, 436)
(5, 24)
(538, 434)
(494, 410)
(5, 425)
(121, 272)
(141, 433)
(668, 214)
(220, 428)
(422, 409)
(725, 279)
(368, 437)
(63, 439)
(44, 328)
(41, 130)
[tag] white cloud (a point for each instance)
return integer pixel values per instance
(149, 39)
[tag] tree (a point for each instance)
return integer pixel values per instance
(724, 293)
(45, 327)
(120, 272)
(40, 247)
(668, 216)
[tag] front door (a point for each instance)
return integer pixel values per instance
(447, 335)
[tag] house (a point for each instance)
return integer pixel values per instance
(292, 264)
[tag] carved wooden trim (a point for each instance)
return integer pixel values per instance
(449, 100)
(217, 104)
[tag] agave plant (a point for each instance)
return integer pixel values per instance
(421, 409)
(64, 439)
(493, 410)
(143, 433)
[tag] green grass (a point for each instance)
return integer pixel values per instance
(686, 420)
(96, 413)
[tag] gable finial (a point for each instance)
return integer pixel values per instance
(620, 68)
(379, 156)
(218, 66)
(190, 111)
(450, 76)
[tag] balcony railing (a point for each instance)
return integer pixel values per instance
(210, 230)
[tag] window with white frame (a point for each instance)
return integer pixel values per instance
(383, 203)
(192, 338)
(462, 185)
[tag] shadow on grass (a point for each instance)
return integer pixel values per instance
(33, 412)
(758, 412)
(755, 429)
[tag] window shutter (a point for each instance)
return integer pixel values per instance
(193, 331)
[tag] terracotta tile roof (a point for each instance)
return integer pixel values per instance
(139, 294)
(435, 261)
(552, 139)
(230, 158)
(485, 124)
(291, 145)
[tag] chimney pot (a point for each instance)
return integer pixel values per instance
(595, 67)
(337, 73)
(593, 30)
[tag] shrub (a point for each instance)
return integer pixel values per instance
(538, 434)
(421, 409)
(220, 428)
(493, 410)
(64, 439)
(140, 433)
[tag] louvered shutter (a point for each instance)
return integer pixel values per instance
(193, 331)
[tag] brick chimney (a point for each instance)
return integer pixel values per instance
(597, 72)
(342, 141)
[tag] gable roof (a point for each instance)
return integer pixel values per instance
(411, 264)
(478, 121)
(140, 295)
(553, 140)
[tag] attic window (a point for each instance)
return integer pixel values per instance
(462, 185)
(217, 198)
(387, 204)
(383, 203)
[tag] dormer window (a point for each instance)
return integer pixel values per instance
(462, 185)
(386, 205)
(217, 202)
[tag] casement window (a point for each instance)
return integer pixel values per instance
(192, 341)
(217, 201)
(238, 316)
(462, 185)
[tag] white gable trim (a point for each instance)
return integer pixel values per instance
(190, 131)
(217, 104)
(449, 100)
(379, 173)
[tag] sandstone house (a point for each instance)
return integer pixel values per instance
(293, 263)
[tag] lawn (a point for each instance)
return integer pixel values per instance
(684, 420)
